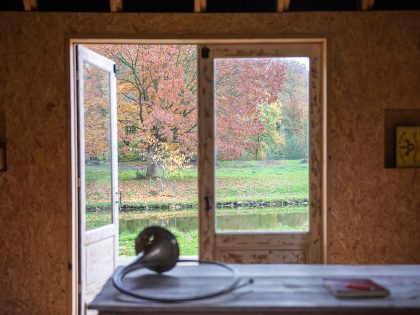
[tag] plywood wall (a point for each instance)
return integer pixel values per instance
(373, 62)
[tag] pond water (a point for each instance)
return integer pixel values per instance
(228, 220)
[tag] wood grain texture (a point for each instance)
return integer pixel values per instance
(30, 5)
(115, 5)
(373, 212)
(261, 256)
(3, 145)
(316, 158)
(206, 161)
(262, 248)
(373, 64)
(276, 289)
(367, 4)
(283, 5)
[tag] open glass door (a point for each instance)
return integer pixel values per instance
(261, 144)
(97, 114)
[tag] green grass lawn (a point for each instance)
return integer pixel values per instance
(188, 242)
(235, 181)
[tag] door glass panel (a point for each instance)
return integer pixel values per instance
(262, 118)
(98, 188)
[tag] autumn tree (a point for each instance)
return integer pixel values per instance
(96, 114)
(271, 139)
(157, 104)
(242, 86)
(294, 98)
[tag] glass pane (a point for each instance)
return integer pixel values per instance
(262, 179)
(97, 147)
(157, 140)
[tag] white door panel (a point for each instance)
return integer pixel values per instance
(98, 199)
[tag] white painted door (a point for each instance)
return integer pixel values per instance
(274, 213)
(98, 175)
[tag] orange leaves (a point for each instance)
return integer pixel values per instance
(157, 99)
(241, 86)
(96, 112)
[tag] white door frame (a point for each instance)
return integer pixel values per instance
(92, 244)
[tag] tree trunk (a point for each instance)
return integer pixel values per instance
(151, 171)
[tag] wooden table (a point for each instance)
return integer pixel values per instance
(277, 289)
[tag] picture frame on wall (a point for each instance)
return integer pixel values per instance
(408, 146)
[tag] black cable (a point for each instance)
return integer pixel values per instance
(122, 272)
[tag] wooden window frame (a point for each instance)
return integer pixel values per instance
(262, 247)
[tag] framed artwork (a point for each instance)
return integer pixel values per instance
(408, 146)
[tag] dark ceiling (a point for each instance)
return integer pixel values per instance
(211, 5)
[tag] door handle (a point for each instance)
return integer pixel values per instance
(208, 206)
(119, 193)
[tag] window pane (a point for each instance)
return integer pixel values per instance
(262, 181)
(97, 147)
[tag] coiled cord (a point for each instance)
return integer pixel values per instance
(233, 285)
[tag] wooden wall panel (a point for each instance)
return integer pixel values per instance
(261, 256)
(373, 62)
(374, 213)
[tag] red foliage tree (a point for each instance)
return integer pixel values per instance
(157, 105)
(241, 86)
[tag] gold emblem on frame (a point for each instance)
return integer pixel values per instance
(408, 146)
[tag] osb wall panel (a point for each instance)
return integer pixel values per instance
(374, 213)
(374, 64)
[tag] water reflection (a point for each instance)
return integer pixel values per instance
(230, 220)
(279, 222)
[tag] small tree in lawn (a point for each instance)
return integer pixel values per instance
(271, 139)
(242, 85)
